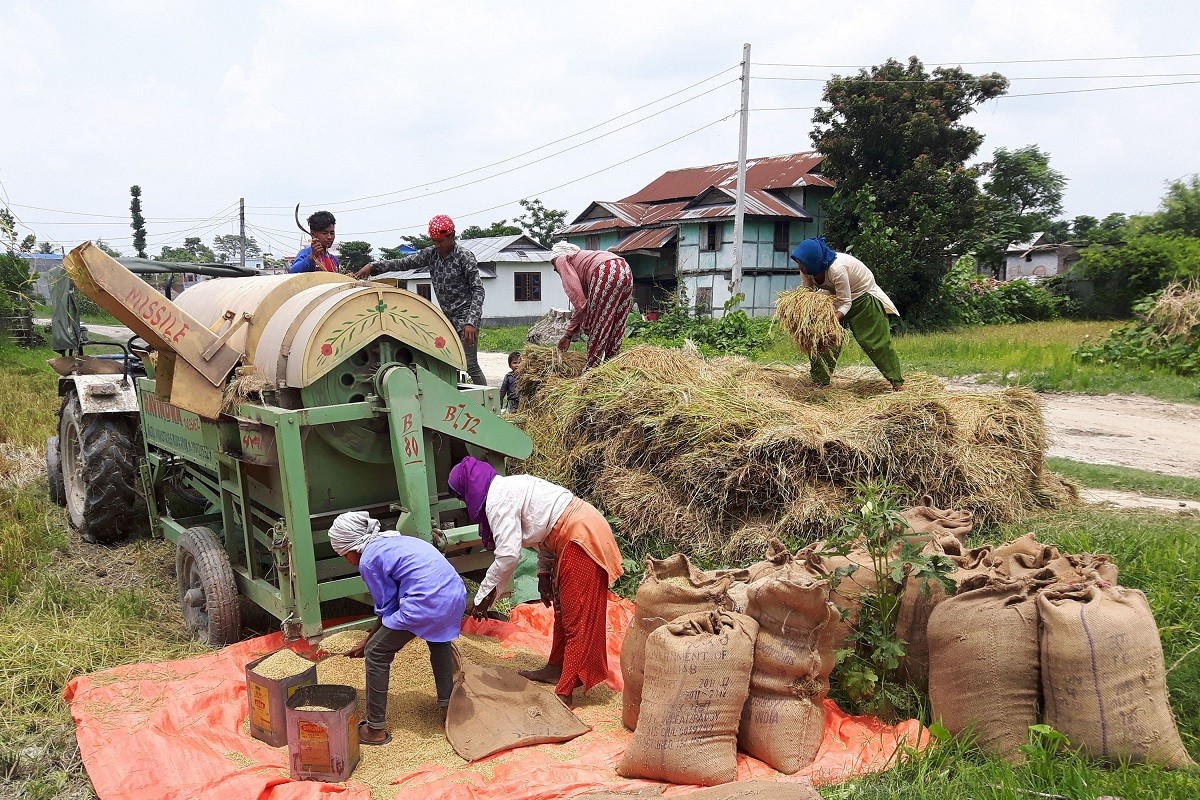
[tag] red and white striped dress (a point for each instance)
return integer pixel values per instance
(599, 285)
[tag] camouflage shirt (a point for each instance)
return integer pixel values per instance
(456, 281)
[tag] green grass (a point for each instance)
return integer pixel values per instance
(1105, 476)
(100, 318)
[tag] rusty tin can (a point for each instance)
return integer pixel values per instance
(322, 732)
(268, 698)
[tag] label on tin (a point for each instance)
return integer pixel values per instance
(260, 706)
(314, 748)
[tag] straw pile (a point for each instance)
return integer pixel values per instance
(283, 664)
(540, 364)
(718, 456)
(809, 318)
(413, 719)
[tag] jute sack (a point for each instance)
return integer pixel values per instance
(671, 588)
(927, 522)
(984, 663)
(1103, 676)
(917, 602)
(783, 721)
(697, 679)
(493, 709)
(739, 587)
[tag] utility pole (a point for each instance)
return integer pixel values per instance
(242, 228)
(739, 208)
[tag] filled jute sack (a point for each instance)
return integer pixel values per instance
(1103, 676)
(918, 600)
(494, 709)
(696, 681)
(671, 588)
(783, 721)
(984, 673)
(927, 522)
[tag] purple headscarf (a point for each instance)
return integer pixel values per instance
(470, 480)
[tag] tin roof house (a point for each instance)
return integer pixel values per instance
(677, 231)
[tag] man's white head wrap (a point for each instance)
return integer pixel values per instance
(563, 249)
(352, 531)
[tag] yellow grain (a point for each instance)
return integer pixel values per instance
(283, 664)
(341, 643)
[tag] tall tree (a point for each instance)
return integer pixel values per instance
(1179, 212)
(420, 242)
(138, 222)
(501, 228)
(1083, 225)
(228, 247)
(45, 248)
(1022, 196)
(895, 142)
(28, 243)
(193, 251)
(8, 229)
(354, 255)
(540, 223)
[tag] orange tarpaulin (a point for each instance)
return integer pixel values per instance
(175, 730)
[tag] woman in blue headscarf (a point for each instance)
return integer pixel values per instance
(860, 305)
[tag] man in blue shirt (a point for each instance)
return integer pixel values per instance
(317, 257)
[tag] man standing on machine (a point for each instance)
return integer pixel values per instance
(317, 257)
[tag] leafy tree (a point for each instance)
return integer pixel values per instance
(1123, 274)
(894, 140)
(1083, 225)
(1111, 229)
(46, 248)
(395, 252)
(501, 228)
(354, 255)
(27, 244)
(104, 246)
(139, 222)
(1179, 212)
(228, 247)
(540, 223)
(193, 251)
(1022, 196)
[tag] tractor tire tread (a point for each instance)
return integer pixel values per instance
(54, 476)
(110, 459)
(221, 601)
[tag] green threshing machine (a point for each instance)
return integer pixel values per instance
(270, 405)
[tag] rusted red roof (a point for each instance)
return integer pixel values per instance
(775, 172)
(648, 239)
(759, 203)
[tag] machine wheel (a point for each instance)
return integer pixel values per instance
(208, 594)
(54, 475)
(99, 459)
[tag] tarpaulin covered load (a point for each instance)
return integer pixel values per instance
(177, 729)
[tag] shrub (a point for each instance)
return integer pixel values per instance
(733, 333)
(970, 299)
(1165, 334)
(1122, 275)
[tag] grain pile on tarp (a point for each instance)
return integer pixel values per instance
(720, 455)
(809, 319)
(1035, 635)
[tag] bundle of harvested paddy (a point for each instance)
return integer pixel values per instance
(809, 318)
(283, 664)
(712, 455)
(541, 364)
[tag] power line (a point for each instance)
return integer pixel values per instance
(102, 216)
(561, 185)
(976, 63)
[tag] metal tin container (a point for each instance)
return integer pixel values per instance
(322, 732)
(268, 698)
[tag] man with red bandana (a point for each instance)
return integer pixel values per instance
(456, 284)
(317, 257)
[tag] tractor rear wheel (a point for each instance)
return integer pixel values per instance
(54, 474)
(208, 594)
(99, 459)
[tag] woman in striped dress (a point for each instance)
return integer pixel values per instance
(599, 285)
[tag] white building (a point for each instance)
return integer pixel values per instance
(1038, 258)
(519, 282)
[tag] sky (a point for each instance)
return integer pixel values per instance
(387, 113)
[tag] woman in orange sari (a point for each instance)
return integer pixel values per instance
(578, 561)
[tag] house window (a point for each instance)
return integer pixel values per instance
(704, 301)
(591, 241)
(424, 290)
(527, 286)
(710, 236)
(781, 235)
